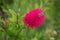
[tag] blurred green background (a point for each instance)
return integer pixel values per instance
(11, 20)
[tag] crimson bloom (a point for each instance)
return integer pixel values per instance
(34, 18)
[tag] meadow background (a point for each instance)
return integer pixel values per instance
(11, 20)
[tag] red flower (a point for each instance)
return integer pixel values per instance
(34, 18)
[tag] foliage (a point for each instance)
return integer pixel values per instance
(15, 29)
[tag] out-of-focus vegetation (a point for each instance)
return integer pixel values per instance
(11, 20)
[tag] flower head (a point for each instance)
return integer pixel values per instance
(34, 18)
